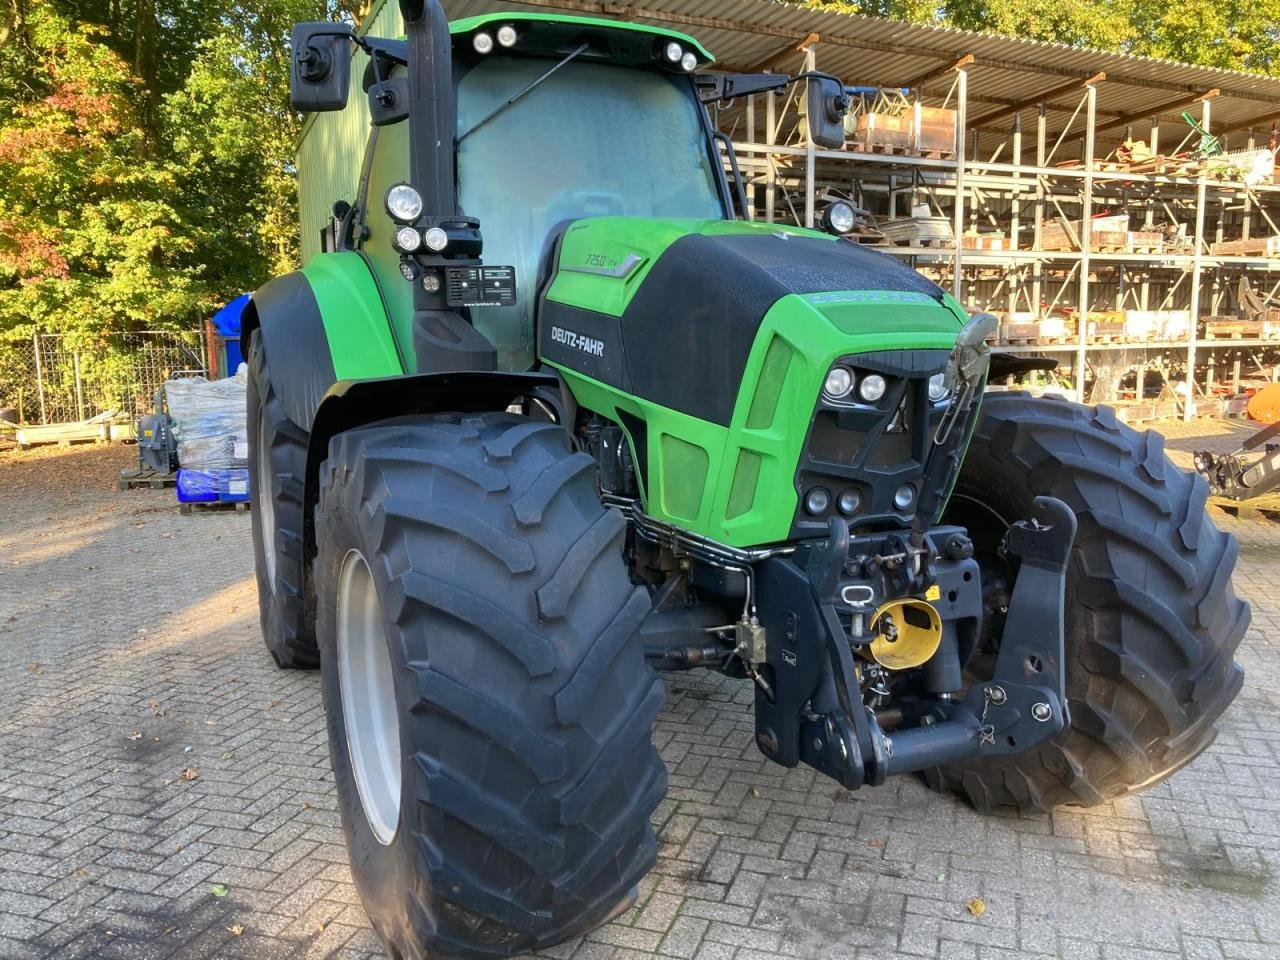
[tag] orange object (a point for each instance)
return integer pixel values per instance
(1264, 406)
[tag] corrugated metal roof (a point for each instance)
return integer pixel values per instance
(868, 50)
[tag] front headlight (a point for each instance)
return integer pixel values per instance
(872, 387)
(838, 383)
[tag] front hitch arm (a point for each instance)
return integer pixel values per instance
(817, 715)
(1025, 701)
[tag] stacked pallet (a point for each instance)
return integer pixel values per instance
(916, 131)
(1108, 235)
(984, 241)
(1025, 329)
(918, 231)
(1217, 327)
(1251, 247)
(1153, 326)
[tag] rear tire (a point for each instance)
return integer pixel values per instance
(527, 775)
(1152, 621)
(277, 471)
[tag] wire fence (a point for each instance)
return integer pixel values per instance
(49, 378)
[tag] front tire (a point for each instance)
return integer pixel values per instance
(516, 814)
(1152, 621)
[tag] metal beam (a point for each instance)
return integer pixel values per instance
(1168, 106)
(790, 50)
(1071, 86)
(1257, 121)
(938, 71)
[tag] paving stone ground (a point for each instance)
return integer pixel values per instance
(129, 652)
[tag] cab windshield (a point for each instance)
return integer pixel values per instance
(591, 140)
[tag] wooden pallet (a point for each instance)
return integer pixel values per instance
(63, 434)
(1253, 247)
(214, 506)
(931, 242)
(885, 149)
(1232, 329)
(135, 478)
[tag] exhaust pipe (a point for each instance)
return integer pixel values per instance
(432, 110)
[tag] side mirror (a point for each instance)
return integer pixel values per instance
(825, 107)
(320, 72)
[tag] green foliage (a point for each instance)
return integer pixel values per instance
(90, 239)
(1236, 34)
(146, 146)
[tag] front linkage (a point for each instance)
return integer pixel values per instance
(821, 704)
(858, 644)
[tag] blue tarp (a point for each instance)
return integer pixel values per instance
(227, 322)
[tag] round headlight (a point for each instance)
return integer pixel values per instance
(688, 62)
(838, 383)
(673, 51)
(838, 218)
(482, 42)
(436, 239)
(871, 388)
(506, 35)
(404, 203)
(904, 496)
(816, 501)
(850, 502)
(937, 387)
(408, 239)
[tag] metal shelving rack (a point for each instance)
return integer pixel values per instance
(786, 174)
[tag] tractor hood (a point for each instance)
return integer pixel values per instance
(710, 341)
(669, 310)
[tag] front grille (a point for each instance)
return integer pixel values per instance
(874, 449)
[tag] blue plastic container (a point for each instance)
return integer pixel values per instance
(213, 486)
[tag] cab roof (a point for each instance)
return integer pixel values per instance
(550, 32)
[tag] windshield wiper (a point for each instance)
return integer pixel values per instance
(522, 93)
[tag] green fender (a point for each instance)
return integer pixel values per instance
(322, 324)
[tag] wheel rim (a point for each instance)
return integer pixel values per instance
(368, 698)
(266, 507)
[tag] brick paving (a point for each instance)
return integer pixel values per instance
(129, 652)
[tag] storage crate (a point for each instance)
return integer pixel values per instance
(881, 133)
(213, 486)
(1054, 234)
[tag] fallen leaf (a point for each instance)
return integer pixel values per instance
(236, 929)
(217, 889)
(321, 925)
(189, 774)
(227, 756)
(35, 668)
(878, 843)
(80, 872)
(977, 906)
(136, 735)
(755, 791)
(306, 805)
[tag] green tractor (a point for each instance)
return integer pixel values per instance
(549, 415)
